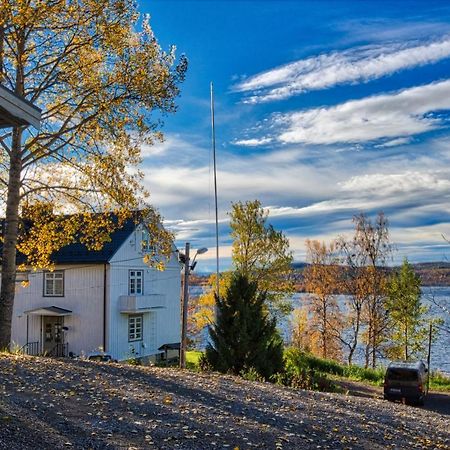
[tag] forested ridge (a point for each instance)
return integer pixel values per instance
(430, 273)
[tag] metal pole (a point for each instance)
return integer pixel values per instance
(429, 355)
(185, 308)
(213, 137)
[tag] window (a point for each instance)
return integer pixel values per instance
(135, 283)
(135, 327)
(54, 284)
(145, 241)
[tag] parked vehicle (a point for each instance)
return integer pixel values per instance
(406, 381)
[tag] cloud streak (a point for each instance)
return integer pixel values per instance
(402, 114)
(357, 65)
(253, 142)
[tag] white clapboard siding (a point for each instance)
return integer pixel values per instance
(83, 295)
(98, 291)
(161, 325)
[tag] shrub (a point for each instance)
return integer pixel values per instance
(251, 374)
(439, 381)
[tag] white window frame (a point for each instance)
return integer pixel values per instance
(135, 282)
(146, 244)
(145, 241)
(53, 278)
(135, 327)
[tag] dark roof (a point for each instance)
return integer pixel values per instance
(78, 253)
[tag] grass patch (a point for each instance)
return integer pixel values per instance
(298, 362)
(307, 371)
(439, 381)
(192, 359)
(357, 373)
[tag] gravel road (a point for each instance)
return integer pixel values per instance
(55, 404)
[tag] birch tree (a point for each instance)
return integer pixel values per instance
(321, 283)
(366, 255)
(103, 86)
(262, 253)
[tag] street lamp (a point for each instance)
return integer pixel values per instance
(184, 258)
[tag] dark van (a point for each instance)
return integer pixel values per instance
(406, 381)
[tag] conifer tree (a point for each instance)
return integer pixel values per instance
(406, 313)
(244, 337)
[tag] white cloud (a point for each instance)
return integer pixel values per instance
(382, 184)
(383, 116)
(394, 142)
(172, 142)
(253, 142)
(360, 64)
(315, 190)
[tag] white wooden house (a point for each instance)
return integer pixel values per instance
(108, 300)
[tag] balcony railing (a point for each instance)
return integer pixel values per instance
(141, 303)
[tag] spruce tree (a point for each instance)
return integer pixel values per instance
(407, 314)
(243, 336)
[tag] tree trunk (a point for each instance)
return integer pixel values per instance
(355, 338)
(374, 349)
(406, 340)
(368, 344)
(324, 330)
(10, 240)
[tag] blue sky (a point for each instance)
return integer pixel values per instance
(323, 110)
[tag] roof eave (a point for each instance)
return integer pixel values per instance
(16, 111)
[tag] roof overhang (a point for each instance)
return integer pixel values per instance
(16, 111)
(49, 311)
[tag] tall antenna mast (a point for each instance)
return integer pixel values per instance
(213, 142)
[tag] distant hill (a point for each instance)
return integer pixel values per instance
(435, 273)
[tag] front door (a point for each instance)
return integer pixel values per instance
(53, 333)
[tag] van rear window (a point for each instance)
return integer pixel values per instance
(402, 375)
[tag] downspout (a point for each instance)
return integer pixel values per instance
(104, 307)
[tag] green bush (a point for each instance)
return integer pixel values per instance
(309, 372)
(193, 359)
(305, 360)
(251, 374)
(439, 381)
(304, 371)
(362, 374)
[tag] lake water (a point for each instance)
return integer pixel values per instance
(440, 352)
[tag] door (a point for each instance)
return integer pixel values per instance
(53, 333)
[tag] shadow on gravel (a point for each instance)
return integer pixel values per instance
(17, 430)
(251, 415)
(438, 402)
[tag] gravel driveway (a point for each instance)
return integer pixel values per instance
(53, 404)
